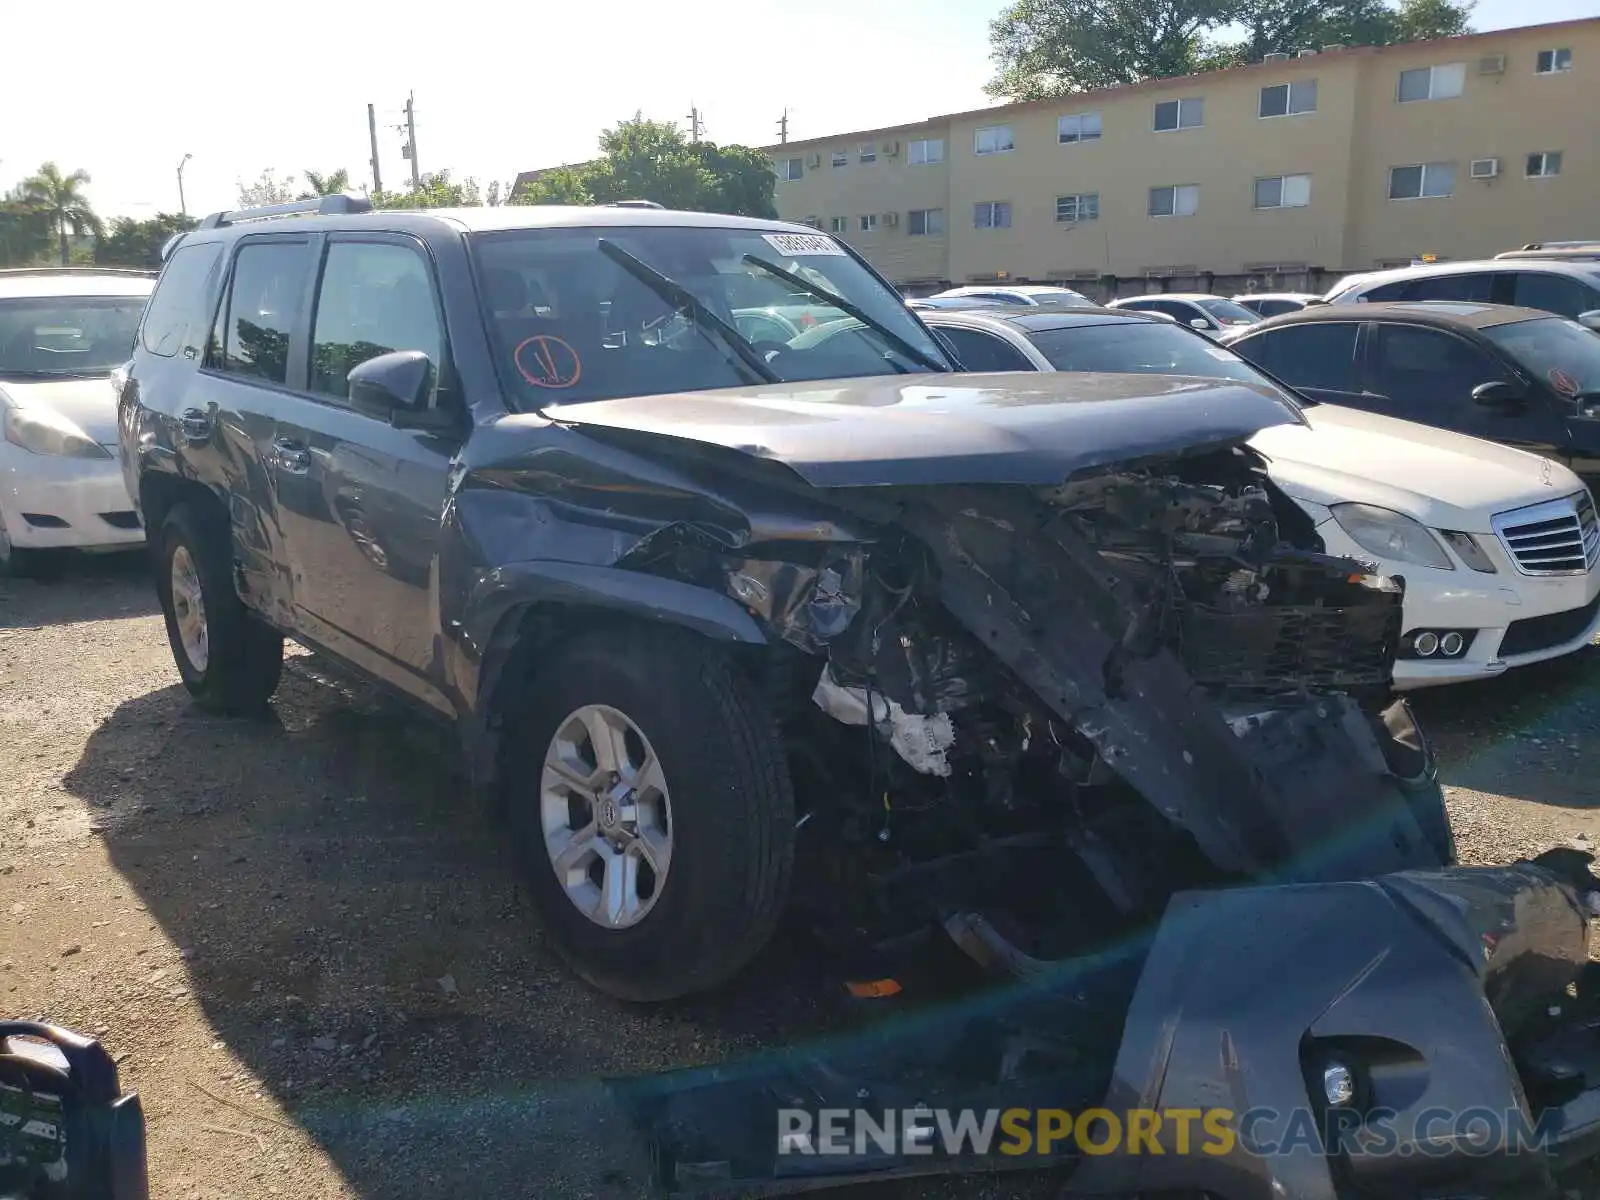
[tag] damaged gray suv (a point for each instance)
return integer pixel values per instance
(735, 621)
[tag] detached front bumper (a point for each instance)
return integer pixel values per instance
(48, 502)
(1513, 619)
(1442, 994)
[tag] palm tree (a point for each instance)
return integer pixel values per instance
(61, 199)
(327, 185)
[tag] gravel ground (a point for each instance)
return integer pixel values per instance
(314, 961)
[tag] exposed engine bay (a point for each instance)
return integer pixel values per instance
(975, 699)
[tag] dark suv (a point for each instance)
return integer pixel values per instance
(730, 622)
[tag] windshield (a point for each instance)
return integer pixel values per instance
(596, 313)
(1227, 311)
(1561, 352)
(68, 336)
(1143, 348)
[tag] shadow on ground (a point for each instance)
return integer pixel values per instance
(79, 587)
(1523, 734)
(360, 940)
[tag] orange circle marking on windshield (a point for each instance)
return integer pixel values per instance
(1562, 382)
(552, 363)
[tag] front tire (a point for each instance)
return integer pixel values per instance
(229, 659)
(651, 801)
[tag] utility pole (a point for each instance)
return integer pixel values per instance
(696, 125)
(372, 133)
(783, 127)
(183, 207)
(411, 140)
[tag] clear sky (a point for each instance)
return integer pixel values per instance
(124, 91)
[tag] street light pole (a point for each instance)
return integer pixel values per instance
(183, 207)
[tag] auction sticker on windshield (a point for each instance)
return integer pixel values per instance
(797, 244)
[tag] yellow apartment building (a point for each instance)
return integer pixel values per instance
(1281, 172)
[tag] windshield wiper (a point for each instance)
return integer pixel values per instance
(676, 294)
(849, 309)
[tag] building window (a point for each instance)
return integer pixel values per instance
(925, 222)
(1283, 191)
(926, 150)
(814, 222)
(1082, 207)
(790, 169)
(841, 158)
(1288, 99)
(867, 152)
(1432, 83)
(869, 223)
(993, 139)
(1181, 200)
(838, 224)
(1542, 163)
(992, 214)
(1553, 62)
(1078, 127)
(1180, 114)
(1422, 180)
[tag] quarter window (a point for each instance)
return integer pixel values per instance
(926, 150)
(1082, 207)
(993, 139)
(1288, 99)
(1543, 163)
(925, 222)
(992, 214)
(1553, 62)
(173, 320)
(1078, 127)
(264, 303)
(1283, 191)
(1180, 114)
(1432, 83)
(1180, 200)
(1422, 180)
(375, 298)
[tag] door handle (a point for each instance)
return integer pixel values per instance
(291, 456)
(196, 424)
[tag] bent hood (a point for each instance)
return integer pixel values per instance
(1445, 480)
(1021, 428)
(90, 404)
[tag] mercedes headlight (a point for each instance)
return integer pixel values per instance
(1391, 535)
(43, 431)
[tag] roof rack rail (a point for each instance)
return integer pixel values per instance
(635, 204)
(80, 270)
(322, 206)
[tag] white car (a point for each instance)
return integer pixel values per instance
(62, 333)
(1499, 548)
(1273, 304)
(1027, 295)
(1211, 315)
(1569, 289)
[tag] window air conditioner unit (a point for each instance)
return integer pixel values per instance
(814, 161)
(890, 149)
(1275, 56)
(891, 219)
(1485, 168)
(1492, 64)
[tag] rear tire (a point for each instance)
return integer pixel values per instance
(229, 659)
(702, 793)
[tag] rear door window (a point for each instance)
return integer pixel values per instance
(1318, 355)
(984, 352)
(177, 316)
(265, 297)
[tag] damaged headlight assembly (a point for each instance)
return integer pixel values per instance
(1391, 535)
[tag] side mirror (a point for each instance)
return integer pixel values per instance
(1199, 323)
(1499, 394)
(1590, 319)
(401, 379)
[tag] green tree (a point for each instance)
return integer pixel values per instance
(1051, 47)
(653, 160)
(61, 199)
(25, 233)
(437, 190)
(131, 243)
(326, 185)
(269, 188)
